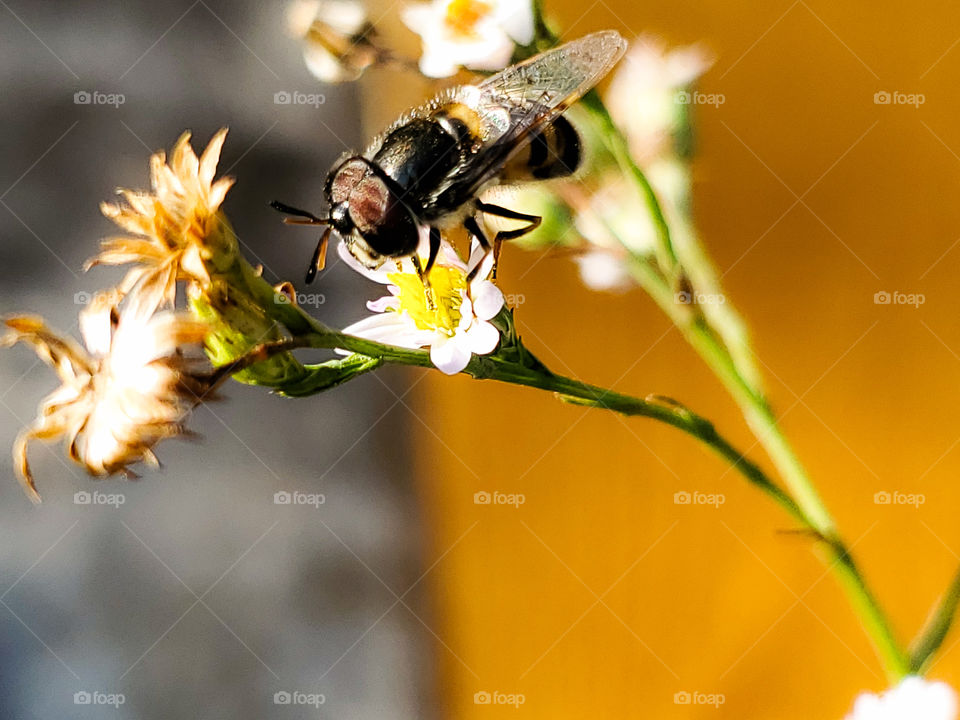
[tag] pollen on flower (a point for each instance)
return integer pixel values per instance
(456, 326)
(448, 286)
(463, 15)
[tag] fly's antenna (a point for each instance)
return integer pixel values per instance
(302, 217)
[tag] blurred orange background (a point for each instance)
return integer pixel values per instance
(600, 596)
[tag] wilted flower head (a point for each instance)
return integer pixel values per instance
(178, 226)
(643, 95)
(455, 326)
(129, 388)
(475, 34)
(913, 699)
(339, 40)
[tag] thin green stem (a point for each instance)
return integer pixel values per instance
(311, 333)
(617, 145)
(936, 628)
(661, 283)
(569, 390)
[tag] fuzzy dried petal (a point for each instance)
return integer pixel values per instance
(176, 224)
(61, 353)
(211, 157)
(125, 250)
(46, 428)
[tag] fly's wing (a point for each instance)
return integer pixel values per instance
(530, 95)
(552, 81)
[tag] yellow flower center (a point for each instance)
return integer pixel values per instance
(463, 15)
(447, 285)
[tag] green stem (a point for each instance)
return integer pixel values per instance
(837, 555)
(800, 488)
(617, 145)
(661, 285)
(931, 637)
(311, 333)
(568, 389)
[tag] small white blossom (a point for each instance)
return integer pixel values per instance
(456, 326)
(643, 93)
(475, 34)
(913, 699)
(338, 38)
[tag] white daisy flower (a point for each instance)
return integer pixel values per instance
(913, 699)
(475, 34)
(455, 328)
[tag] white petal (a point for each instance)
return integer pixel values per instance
(449, 355)
(516, 19)
(391, 328)
(913, 699)
(371, 327)
(437, 63)
(388, 302)
(379, 275)
(601, 270)
(96, 327)
(482, 259)
(325, 67)
(487, 299)
(481, 338)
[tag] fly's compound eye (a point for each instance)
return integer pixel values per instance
(380, 216)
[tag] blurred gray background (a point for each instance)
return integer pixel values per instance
(198, 597)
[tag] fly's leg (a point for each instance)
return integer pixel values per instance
(533, 222)
(427, 289)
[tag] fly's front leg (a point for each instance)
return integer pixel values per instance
(425, 280)
(474, 229)
(424, 272)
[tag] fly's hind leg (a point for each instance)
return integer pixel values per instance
(533, 222)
